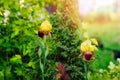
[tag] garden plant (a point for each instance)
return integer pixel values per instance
(47, 40)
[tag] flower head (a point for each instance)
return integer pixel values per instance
(46, 27)
(87, 46)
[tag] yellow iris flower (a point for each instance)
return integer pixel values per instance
(87, 46)
(46, 27)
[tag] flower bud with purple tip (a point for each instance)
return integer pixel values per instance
(40, 34)
(88, 56)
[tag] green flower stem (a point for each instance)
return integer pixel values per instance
(42, 56)
(43, 66)
(43, 74)
(44, 51)
(44, 59)
(85, 67)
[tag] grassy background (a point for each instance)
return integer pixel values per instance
(108, 34)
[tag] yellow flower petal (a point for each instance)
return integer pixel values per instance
(46, 27)
(94, 41)
(94, 47)
(87, 46)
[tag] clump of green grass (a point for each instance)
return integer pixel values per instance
(107, 34)
(102, 59)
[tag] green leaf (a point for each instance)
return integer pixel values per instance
(41, 67)
(31, 64)
(15, 33)
(16, 59)
(19, 71)
(8, 72)
(46, 52)
(1, 13)
(1, 75)
(39, 52)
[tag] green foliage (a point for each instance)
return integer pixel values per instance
(20, 45)
(108, 38)
(65, 46)
(101, 59)
(18, 41)
(16, 59)
(113, 73)
(1, 75)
